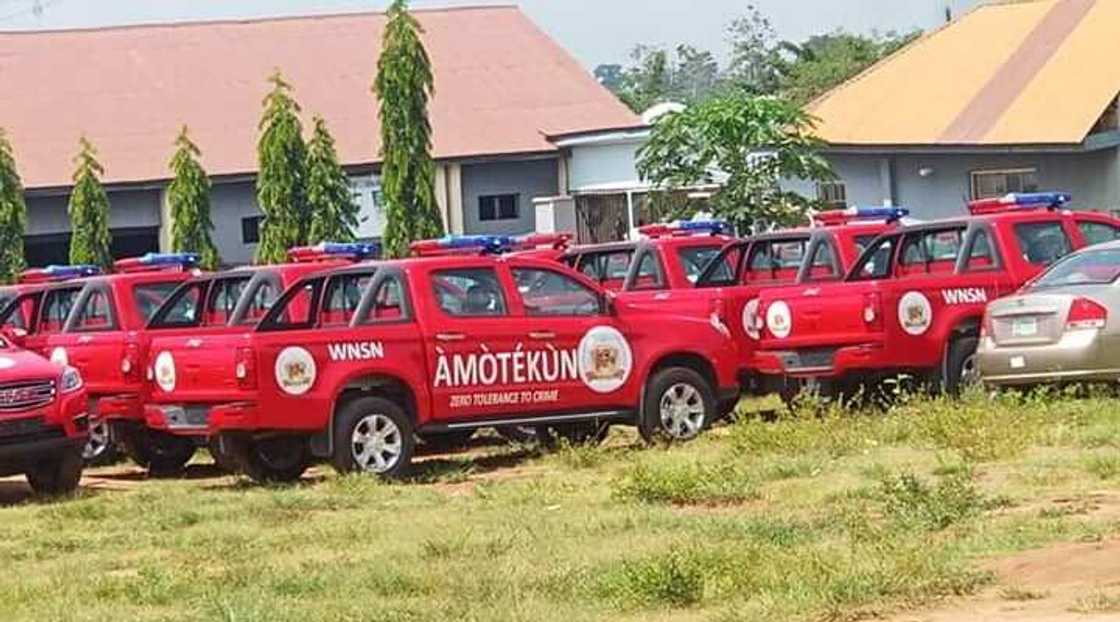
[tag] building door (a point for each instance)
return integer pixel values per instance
(601, 218)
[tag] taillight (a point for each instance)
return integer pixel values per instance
(245, 368)
(1085, 314)
(130, 362)
(873, 310)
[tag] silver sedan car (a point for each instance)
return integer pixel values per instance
(1062, 327)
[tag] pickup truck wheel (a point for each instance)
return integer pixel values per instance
(58, 474)
(100, 450)
(679, 403)
(275, 460)
(222, 459)
(373, 435)
(960, 365)
(161, 453)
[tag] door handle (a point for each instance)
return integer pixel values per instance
(542, 334)
(445, 337)
(194, 343)
(85, 339)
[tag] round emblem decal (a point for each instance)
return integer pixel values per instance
(778, 320)
(605, 359)
(7, 363)
(59, 357)
(750, 319)
(915, 314)
(295, 370)
(165, 371)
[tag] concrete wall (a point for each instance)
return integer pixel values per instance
(527, 178)
(603, 165)
(133, 208)
(229, 203)
(1093, 178)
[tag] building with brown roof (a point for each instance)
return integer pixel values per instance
(1013, 96)
(503, 88)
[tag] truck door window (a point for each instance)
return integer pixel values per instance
(549, 293)
(182, 309)
(222, 299)
(388, 302)
(695, 258)
(57, 305)
(777, 260)
(473, 292)
(823, 266)
(649, 275)
(1097, 232)
(1042, 243)
(96, 313)
(980, 255)
(18, 311)
(150, 296)
(875, 263)
(293, 311)
(930, 252)
(262, 297)
(344, 294)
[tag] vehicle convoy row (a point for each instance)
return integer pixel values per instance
(334, 357)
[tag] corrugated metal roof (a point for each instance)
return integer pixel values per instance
(1014, 73)
(502, 85)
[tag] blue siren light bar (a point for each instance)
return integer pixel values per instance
(1020, 200)
(157, 261)
(58, 273)
(687, 227)
(334, 250)
(843, 216)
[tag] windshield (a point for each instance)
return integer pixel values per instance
(1097, 267)
(694, 259)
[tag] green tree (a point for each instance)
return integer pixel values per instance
(334, 215)
(820, 63)
(403, 86)
(89, 212)
(755, 59)
(188, 196)
(696, 75)
(281, 177)
(745, 144)
(13, 215)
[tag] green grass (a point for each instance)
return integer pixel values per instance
(824, 514)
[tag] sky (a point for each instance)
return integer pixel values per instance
(595, 31)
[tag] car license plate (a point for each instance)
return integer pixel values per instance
(1018, 362)
(1024, 327)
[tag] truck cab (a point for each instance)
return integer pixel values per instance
(103, 337)
(913, 302)
(351, 364)
(192, 339)
(37, 306)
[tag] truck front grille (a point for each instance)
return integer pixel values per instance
(18, 396)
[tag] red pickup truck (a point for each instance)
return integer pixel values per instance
(43, 421)
(103, 336)
(202, 322)
(349, 365)
(913, 302)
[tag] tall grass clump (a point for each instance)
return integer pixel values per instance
(693, 483)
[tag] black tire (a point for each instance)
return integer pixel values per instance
(100, 449)
(161, 453)
(222, 459)
(59, 474)
(270, 460)
(441, 442)
(691, 390)
(960, 365)
(373, 435)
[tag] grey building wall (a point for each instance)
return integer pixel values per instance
(1092, 177)
(229, 204)
(526, 178)
(127, 208)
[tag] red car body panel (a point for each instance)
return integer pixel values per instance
(36, 418)
(904, 318)
(203, 354)
(470, 371)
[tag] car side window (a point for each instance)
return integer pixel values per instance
(875, 263)
(930, 252)
(473, 292)
(981, 255)
(57, 305)
(550, 293)
(294, 310)
(648, 275)
(182, 308)
(388, 302)
(17, 312)
(343, 295)
(777, 260)
(1042, 243)
(263, 296)
(96, 313)
(823, 265)
(1097, 232)
(222, 299)
(149, 297)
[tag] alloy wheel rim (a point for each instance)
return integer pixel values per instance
(376, 443)
(970, 373)
(682, 411)
(97, 442)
